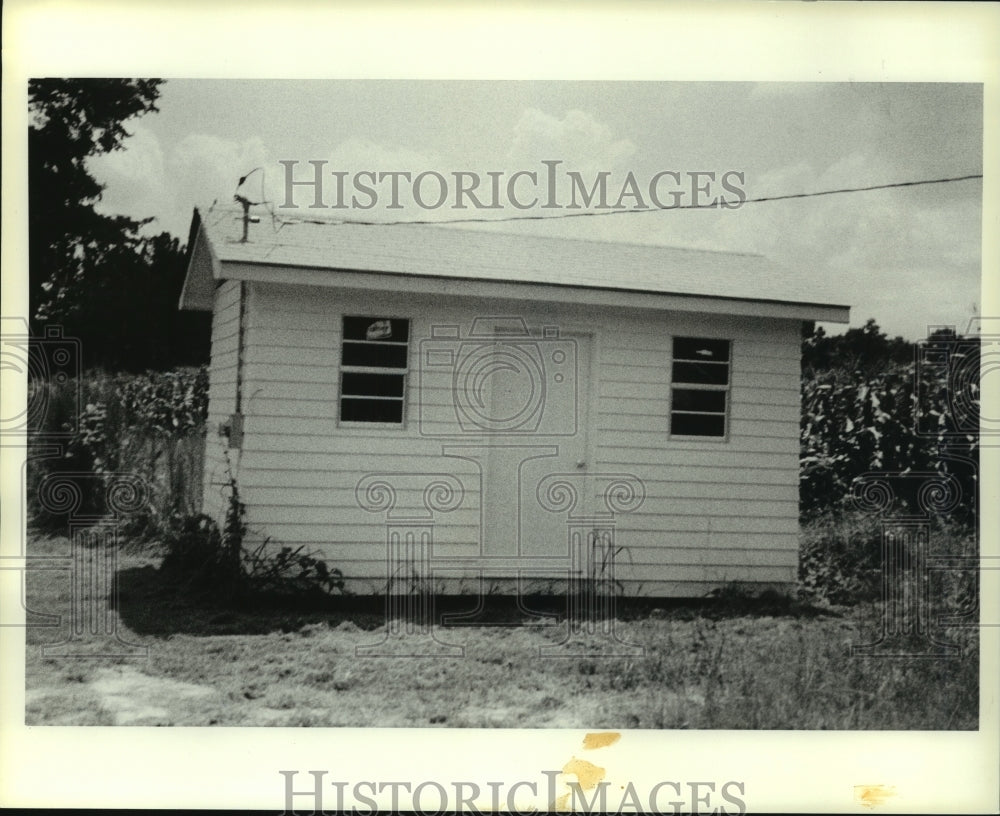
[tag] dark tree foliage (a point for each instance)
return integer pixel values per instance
(865, 350)
(97, 275)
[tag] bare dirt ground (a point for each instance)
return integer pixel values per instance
(159, 660)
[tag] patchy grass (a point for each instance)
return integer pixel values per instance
(726, 666)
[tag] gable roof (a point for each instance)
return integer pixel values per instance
(448, 253)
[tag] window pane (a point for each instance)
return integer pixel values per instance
(697, 425)
(374, 355)
(372, 385)
(686, 399)
(701, 373)
(376, 329)
(368, 410)
(691, 348)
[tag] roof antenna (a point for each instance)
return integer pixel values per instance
(246, 203)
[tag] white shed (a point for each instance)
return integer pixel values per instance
(479, 408)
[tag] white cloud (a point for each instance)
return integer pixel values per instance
(205, 169)
(142, 181)
(134, 175)
(578, 139)
(201, 169)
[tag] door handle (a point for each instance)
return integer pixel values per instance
(580, 464)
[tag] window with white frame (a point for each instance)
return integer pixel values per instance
(373, 365)
(699, 393)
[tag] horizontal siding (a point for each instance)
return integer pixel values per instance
(771, 433)
(715, 510)
(225, 357)
(291, 525)
(699, 542)
(766, 439)
(657, 378)
(701, 469)
(326, 527)
(693, 523)
(292, 339)
(787, 396)
(344, 496)
(767, 436)
(228, 324)
(295, 402)
(617, 408)
(704, 540)
(221, 393)
(448, 556)
(757, 357)
(358, 462)
(319, 502)
(706, 508)
(619, 451)
(713, 453)
(317, 482)
(760, 337)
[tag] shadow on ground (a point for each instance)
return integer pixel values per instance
(150, 603)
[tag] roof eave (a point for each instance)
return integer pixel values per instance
(521, 290)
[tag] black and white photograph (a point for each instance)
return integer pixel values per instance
(627, 409)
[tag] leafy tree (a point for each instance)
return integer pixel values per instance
(866, 349)
(94, 274)
(72, 120)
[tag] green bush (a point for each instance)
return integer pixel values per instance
(840, 557)
(841, 560)
(197, 557)
(204, 560)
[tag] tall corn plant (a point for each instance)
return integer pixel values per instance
(149, 425)
(854, 423)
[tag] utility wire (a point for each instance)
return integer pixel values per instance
(864, 189)
(279, 221)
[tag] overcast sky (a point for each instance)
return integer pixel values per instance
(908, 257)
